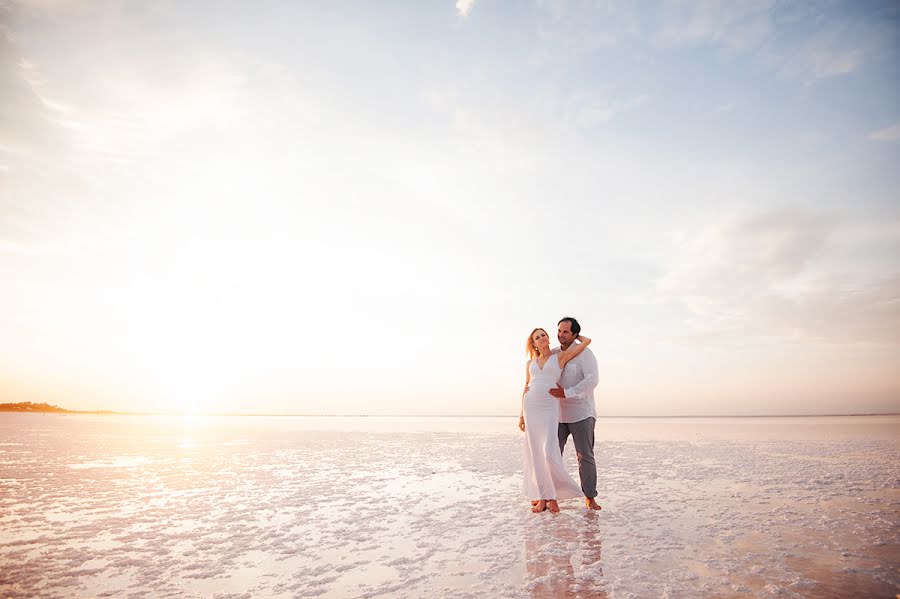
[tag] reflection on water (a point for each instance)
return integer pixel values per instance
(562, 555)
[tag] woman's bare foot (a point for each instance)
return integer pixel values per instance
(553, 506)
(591, 504)
(538, 506)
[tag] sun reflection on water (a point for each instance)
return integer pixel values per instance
(192, 422)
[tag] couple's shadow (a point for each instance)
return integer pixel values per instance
(562, 555)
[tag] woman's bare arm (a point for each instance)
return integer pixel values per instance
(525, 390)
(574, 350)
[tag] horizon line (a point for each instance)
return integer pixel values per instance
(295, 415)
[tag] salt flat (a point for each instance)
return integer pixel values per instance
(413, 507)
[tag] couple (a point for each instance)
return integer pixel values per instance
(558, 401)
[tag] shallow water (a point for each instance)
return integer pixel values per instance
(412, 507)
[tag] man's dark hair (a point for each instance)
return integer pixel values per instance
(576, 328)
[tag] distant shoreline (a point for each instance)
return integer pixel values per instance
(28, 408)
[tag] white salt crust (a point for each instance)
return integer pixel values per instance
(106, 509)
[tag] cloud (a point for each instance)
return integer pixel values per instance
(890, 133)
(770, 276)
(27, 119)
(829, 43)
(489, 132)
(593, 110)
(827, 54)
(738, 26)
(464, 7)
(86, 135)
(737, 257)
(36, 157)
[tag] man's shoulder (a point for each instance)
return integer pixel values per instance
(584, 355)
(587, 351)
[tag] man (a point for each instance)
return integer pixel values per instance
(577, 412)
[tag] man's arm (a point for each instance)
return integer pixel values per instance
(590, 380)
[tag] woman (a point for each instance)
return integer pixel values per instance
(546, 479)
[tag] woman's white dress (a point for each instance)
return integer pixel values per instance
(545, 475)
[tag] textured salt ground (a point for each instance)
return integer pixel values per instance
(269, 508)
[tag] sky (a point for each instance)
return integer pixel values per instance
(365, 208)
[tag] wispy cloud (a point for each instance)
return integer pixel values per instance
(826, 48)
(488, 133)
(737, 26)
(828, 54)
(740, 258)
(464, 7)
(762, 277)
(593, 110)
(890, 133)
(27, 119)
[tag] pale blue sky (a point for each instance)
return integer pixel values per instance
(365, 208)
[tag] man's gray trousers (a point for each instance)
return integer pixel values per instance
(583, 434)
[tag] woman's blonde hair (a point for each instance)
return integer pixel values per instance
(530, 348)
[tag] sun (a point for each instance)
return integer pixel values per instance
(190, 382)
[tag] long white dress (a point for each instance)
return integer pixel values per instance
(545, 475)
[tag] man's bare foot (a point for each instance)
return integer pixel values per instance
(553, 506)
(538, 506)
(591, 504)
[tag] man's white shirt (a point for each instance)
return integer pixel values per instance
(579, 378)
